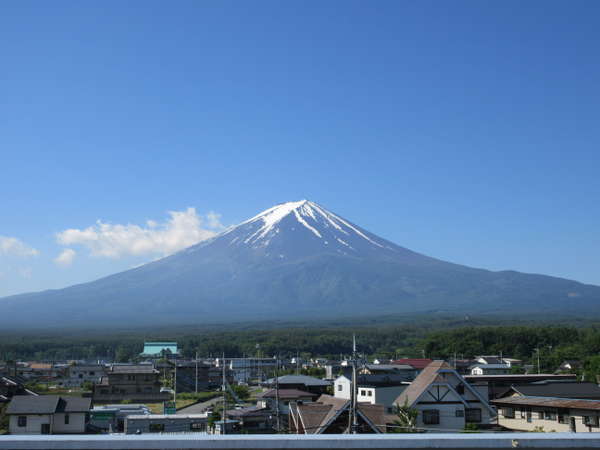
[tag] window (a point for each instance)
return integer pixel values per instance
(370, 393)
(472, 415)
(509, 413)
(562, 418)
(340, 387)
(590, 421)
(156, 427)
(22, 421)
(431, 416)
(363, 392)
(92, 373)
(80, 375)
(459, 413)
(67, 418)
(460, 389)
(522, 413)
(549, 415)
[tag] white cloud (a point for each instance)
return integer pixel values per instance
(16, 247)
(66, 257)
(182, 229)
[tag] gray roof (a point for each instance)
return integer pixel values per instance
(133, 368)
(47, 404)
(30, 404)
(300, 379)
(560, 389)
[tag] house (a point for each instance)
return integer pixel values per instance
(130, 382)
(11, 386)
(48, 414)
(569, 366)
(192, 375)
(371, 369)
(381, 389)
(417, 363)
(444, 400)
(559, 389)
(253, 419)
(529, 413)
(497, 385)
(300, 382)
(80, 374)
(286, 397)
(247, 369)
(111, 418)
(490, 369)
(165, 423)
(330, 415)
(158, 350)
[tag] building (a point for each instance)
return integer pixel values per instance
(560, 389)
(111, 418)
(381, 389)
(417, 363)
(331, 415)
(490, 369)
(11, 386)
(243, 370)
(165, 423)
(375, 369)
(253, 419)
(569, 366)
(525, 413)
(48, 414)
(157, 350)
(130, 382)
(192, 375)
(300, 382)
(497, 385)
(445, 401)
(286, 397)
(80, 374)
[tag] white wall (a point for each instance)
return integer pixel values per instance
(346, 391)
(34, 424)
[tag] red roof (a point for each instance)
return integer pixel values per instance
(417, 363)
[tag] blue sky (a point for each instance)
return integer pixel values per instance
(464, 130)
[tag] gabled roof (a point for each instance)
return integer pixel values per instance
(431, 375)
(417, 363)
(317, 417)
(30, 404)
(426, 378)
(47, 404)
(286, 394)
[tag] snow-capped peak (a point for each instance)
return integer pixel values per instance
(309, 215)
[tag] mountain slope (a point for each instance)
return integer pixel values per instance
(300, 260)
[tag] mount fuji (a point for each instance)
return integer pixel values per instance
(294, 260)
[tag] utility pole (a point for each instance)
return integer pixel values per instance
(196, 387)
(223, 388)
(354, 426)
(175, 385)
(277, 418)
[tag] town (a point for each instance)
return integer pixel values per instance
(164, 392)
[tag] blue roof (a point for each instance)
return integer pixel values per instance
(155, 348)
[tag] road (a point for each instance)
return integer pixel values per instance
(198, 408)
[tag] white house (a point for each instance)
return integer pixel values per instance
(380, 389)
(444, 400)
(77, 375)
(490, 369)
(48, 414)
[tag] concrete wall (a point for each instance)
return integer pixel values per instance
(506, 441)
(448, 419)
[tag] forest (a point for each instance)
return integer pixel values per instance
(429, 336)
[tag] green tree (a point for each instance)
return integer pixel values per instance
(407, 419)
